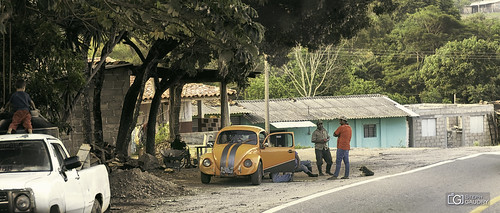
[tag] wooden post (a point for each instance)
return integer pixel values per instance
(3, 71)
(224, 108)
(10, 58)
(200, 114)
(266, 93)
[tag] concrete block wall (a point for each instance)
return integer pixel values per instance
(484, 138)
(439, 140)
(210, 124)
(116, 84)
(441, 112)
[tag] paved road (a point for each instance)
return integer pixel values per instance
(422, 190)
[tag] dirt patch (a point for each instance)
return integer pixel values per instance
(160, 191)
(132, 187)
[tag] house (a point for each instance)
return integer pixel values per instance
(376, 120)
(452, 125)
(191, 92)
(485, 6)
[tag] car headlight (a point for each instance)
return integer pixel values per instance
(247, 163)
(206, 162)
(23, 202)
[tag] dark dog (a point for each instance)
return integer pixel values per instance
(366, 171)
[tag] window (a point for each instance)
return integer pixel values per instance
(61, 155)
(370, 130)
(24, 156)
(281, 140)
(262, 137)
(429, 127)
(476, 124)
(237, 136)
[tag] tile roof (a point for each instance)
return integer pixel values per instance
(325, 108)
(190, 90)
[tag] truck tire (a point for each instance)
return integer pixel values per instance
(96, 208)
(257, 176)
(205, 178)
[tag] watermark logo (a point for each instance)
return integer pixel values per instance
(468, 198)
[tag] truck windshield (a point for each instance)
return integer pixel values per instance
(237, 136)
(24, 156)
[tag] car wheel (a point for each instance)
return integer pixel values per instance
(55, 209)
(257, 176)
(96, 208)
(205, 178)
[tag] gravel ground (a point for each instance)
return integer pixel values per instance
(160, 191)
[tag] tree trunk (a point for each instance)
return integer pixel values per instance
(127, 120)
(87, 120)
(98, 136)
(151, 129)
(174, 109)
(153, 112)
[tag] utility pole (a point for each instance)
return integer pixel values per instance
(266, 92)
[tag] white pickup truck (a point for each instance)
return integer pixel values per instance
(37, 175)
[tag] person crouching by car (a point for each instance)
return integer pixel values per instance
(300, 166)
(303, 166)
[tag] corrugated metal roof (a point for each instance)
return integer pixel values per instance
(477, 3)
(215, 110)
(293, 124)
(325, 108)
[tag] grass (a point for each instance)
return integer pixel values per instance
(302, 147)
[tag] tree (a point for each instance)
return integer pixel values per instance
(424, 31)
(400, 41)
(226, 27)
(312, 24)
(279, 87)
(408, 7)
(482, 27)
(314, 73)
(408, 45)
(466, 68)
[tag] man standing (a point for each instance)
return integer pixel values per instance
(344, 133)
(320, 138)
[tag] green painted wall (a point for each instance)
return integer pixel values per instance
(390, 132)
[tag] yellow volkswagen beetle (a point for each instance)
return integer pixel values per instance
(243, 150)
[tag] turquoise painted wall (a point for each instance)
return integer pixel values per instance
(390, 132)
(394, 132)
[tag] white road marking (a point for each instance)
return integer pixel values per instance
(310, 197)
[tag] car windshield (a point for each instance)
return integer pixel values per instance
(237, 136)
(24, 156)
